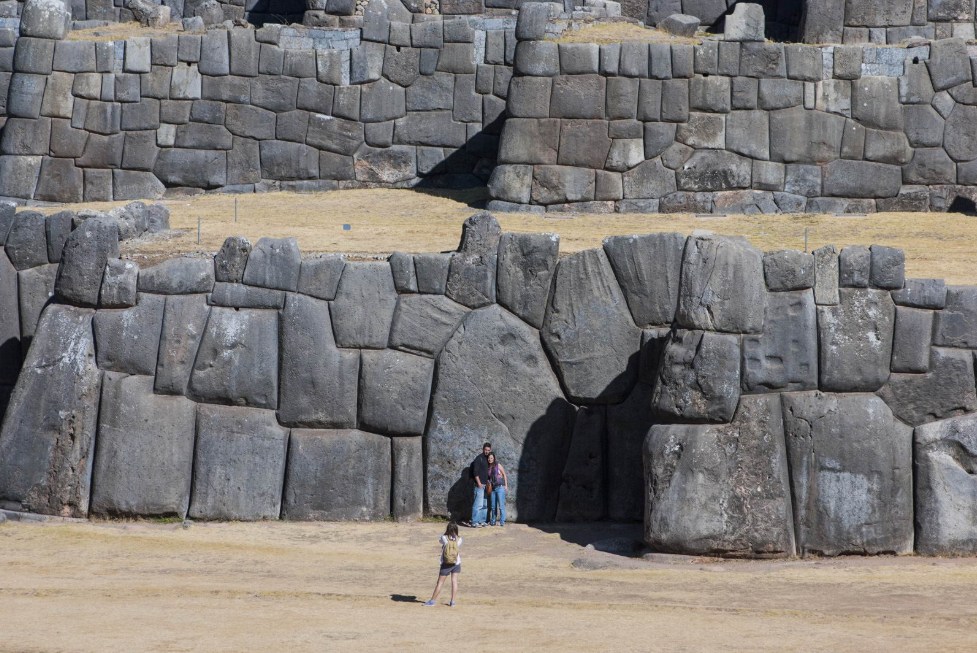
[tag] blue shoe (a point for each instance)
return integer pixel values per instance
(451, 604)
(429, 604)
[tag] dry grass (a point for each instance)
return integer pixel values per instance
(357, 587)
(122, 31)
(621, 32)
(382, 221)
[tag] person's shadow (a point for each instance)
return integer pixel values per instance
(404, 598)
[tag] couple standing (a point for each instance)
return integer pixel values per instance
(490, 478)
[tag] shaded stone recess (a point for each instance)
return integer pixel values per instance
(741, 404)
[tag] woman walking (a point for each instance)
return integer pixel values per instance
(450, 563)
(500, 485)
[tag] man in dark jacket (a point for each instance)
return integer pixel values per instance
(479, 470)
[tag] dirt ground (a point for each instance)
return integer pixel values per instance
(113, 586)
(383, 220)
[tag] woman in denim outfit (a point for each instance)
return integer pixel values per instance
(500, 484)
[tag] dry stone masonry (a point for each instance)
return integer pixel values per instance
(740, 403)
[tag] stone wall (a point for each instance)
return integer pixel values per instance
(247, 109)
(731, 126)
(782, 403)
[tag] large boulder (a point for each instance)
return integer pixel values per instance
(471, 276)
(856, 341)
(945, 457)
(699, 376)
(274, 263)
(184, 321)
(48, 435)
(589, 332)
(178, 276)
(525, 270)
(721, 489)
(239, 464)
(946, 390)
(45, 19)
(237, 361)
(339, 475)
(722, 286)
(318, 380)
(364, 305)
(144, 459)
(407, 478)
(494, 383)
(784, 357)
(127, 339)
(83, 261)
(422, 324)
(395, 390)
(851, 474)
(648, 268)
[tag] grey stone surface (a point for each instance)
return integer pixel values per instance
(856, 341)
(47, 440)
(514, 402)
(582, 494)
(699, 377)
(851, 477)
(746, 23)
(648, 269)
(178, 276)
(26, 243)
(237, 360)
(944, 455)
(319, 275)
(237, 295)
(921, 293)
(83, 261)
(432, 272)
(144, 461)
(589, 331)
(785, 356)
(710, 170)
(239, 464)
(721, 490)
(395, 388)
(184, 320)
(856, 179)
(722, 286)
(424, 323)
(911, 340)
(127, 339)
(472, 274)
(35, 288)
(364, 305)
(628, 424)
(525, 270)
(337, 475)
(407, 479)
(946, 390)
(46, 19)
(679, 25)
(788, 269)
(230, 261)
(888, 267)
(274, 263)
(318, 380)
(956, 325)
(402, 268)
(802, 136)
(854, 266)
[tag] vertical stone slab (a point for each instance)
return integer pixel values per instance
(144, 460)
(856, 341)
(364, 305)
(628, 424)
(699, 376)
(493, 383)
(341, 475)
(582, 495)
(83, 261)
(785, 356)
(851, 474)
(127, 339)
(526, 266)
(184, 321)
(648, 268)
(318, 380)
(945, 457)
(49, 429)
(407, 478)
(395, 389)
(472, 272)
(10, 356)
(239, 464)
(35, 288)
(589, 332)
(826, 275)
(237, 362)
(721, 489)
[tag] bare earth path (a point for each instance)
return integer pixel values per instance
(351, 587)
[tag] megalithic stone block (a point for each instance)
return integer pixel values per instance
(184, 321)
(395, 389)
(509, 397)
(525, 270)
(144, 461)
(10, 351)
(699, 377)
(472, 274)
(945, 390)
(423, 324)
(785, 356)
(856, 341)
(341, 475)
(648, 268)
(364, 305)
(48, 435)
(851, 474)
(582, 494)
(83, 261)
(127, 339)
(407, 478)
(721, 489)
(239, 465)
